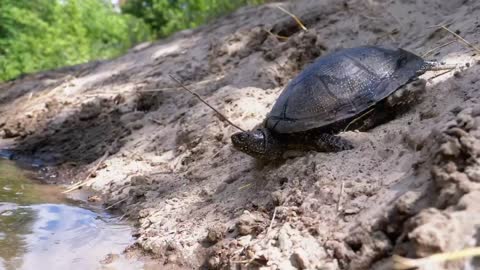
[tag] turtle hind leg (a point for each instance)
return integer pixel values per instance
(377, 115)
(395, 104)
(325, 142)
(406, 95)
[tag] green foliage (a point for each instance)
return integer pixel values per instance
(168, 16)
(45, 34)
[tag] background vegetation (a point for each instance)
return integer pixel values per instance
(168, 16)
(46, 34)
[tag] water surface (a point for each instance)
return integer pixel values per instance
(42, 229)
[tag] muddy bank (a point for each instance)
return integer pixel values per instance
(165, 160)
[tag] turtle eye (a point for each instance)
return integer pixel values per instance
(242, 137)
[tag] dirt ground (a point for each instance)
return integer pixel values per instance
(410, 187)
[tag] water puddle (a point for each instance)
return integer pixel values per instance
(42, 229)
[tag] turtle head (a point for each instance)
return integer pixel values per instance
(258, 143)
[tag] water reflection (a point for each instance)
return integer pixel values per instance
(15, 224)
(40, 229)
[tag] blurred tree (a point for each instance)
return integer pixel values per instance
(45, 34)
(168, 16)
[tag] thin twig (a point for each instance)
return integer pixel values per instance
(218, 78)
(85, 182)
(440, 74)
(397, 20)
(164, 172)
(271, 222)
(116, 203)
(248, 261)
(358, 118)
(243, 262)
(245, 186)
(122, 217)
(297, 20)
(275, 35)
(252, 259)
(216, 154)
(340, 196)
(442, 67)
(438, 25)
(461, 39)
(402, 263)
(437, 48)
(371, 17)
(223, 117)
(155, 121)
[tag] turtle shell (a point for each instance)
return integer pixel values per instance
(341, 85)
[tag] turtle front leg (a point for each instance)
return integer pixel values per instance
(325, 142)
(406, 95)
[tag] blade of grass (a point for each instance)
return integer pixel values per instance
(402, 263)
(297, 20)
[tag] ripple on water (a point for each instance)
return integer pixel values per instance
(41, 230)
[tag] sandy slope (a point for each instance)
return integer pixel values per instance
(410, 187)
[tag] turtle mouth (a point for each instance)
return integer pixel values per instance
(240, 138)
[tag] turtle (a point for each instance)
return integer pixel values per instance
(370, 83)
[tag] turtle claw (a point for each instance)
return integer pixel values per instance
(345, 145)
(331, 143)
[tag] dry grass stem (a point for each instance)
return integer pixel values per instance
(116, 203)
(357, 119)
(437, 48)
(402, 263)
(297, 20)
(464, 41)
(92, 171)
(222, 117)
(440, 74)
(340, 197)
(277, 36)
(155, 121)
(271, 222)
(244, 186)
